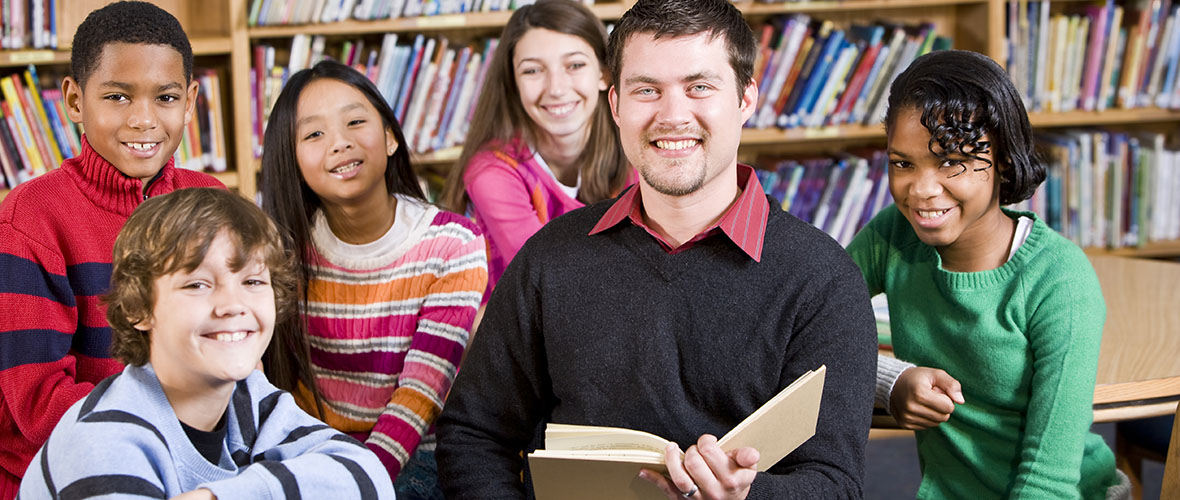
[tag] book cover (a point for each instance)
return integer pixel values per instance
(806, 73)
(588, 462)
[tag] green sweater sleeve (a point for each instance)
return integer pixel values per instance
(869, 249)
(1065, 332)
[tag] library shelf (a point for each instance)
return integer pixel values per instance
(750, 8)
(475, 20)
(202, 46)
(1106, 117)
(1157, 249)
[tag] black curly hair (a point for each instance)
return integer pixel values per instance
(963, 96)
(126, 22)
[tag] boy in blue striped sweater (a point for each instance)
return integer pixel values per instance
(198, 279)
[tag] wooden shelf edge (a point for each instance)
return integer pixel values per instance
(438, 157)
(1153, 249)
(409, 24)
(211, 45)
(750, 8)
(1107, 117)
(230, 178)
(202, 46)
(18, 58)
(4, 193)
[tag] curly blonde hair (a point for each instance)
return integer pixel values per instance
(172, 232)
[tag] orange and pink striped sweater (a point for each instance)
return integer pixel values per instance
(388, 322)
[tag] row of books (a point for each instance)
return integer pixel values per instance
(36, 133)
(1109, 189)
(1099, 57)
(838, 194)
(431, 83)
(28, 24)
(283, 12)
(202, 147)
(813, 74)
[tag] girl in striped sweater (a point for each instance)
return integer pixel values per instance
(392, 283)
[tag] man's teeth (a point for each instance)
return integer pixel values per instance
(230, 337)
(141, 146)
(676, 145)
(346, 168)
(925, 214)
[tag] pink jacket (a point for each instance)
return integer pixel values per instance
(511, 198)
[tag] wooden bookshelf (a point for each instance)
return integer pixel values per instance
(750, 8)
(1156, 249)
(447, 22)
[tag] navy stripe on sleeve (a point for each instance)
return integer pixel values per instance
(25, 277)
(111, 484)
(285, 477)
(298, 433)
(363, 482)
(122, 417)
(89, 278)
(96, 394)
(244, 410)
(26, 347)
(45, 471)
(345, 438)
(267, 405)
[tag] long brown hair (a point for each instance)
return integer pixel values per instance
(499, 116)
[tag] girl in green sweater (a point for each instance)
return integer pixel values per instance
(998, 318)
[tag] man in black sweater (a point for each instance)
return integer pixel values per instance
(678, 308)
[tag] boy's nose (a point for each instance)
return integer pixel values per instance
(142, 117)
(228, 303)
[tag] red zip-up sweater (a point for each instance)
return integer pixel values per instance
(57, 233)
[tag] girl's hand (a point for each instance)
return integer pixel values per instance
(924, 397)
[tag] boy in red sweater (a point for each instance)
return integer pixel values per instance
(132, 90)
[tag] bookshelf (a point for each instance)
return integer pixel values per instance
(224, 40)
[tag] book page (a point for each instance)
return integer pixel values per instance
(587, 437)
(783, 423)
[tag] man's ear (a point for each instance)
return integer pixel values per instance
(749, 101)
(71, 93)
(613, 98)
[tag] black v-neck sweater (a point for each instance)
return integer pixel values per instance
(611, 330)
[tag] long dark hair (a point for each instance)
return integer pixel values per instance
(288, 199)
(499, 116)
(963, 96)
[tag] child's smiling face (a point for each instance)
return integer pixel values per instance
(210, 326)
(134, 106)
(945, 197)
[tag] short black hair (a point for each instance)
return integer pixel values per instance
(126, 22)
(963, 96)
(677, 18)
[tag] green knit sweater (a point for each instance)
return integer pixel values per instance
(1022, 340)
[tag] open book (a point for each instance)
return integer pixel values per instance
(590, 462)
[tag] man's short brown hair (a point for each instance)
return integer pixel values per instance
(677, 18)
(173, 232)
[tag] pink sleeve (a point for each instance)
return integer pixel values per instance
(504, 201)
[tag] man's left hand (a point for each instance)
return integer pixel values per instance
(706, 472)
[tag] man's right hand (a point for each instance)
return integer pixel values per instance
(924, 397)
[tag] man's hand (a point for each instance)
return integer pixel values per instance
(198, 494)
(706, 472)
(924, 397)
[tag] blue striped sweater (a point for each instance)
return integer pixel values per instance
(125, 440)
